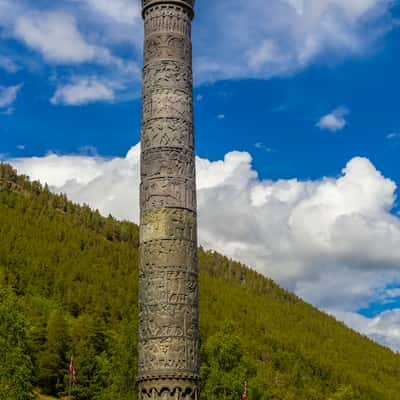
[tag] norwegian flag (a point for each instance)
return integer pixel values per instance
(244, 395)
(72, 372)
(71, 367)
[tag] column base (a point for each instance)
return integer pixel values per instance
(169, 389)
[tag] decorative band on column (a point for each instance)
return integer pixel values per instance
(170, 192)
(158, 255)
(167, 103)
(166, 162)
(169, 388)
(184, 3)
(167, 132)
(167, 46)
(169, 18)
(168, 223)
(168, 74)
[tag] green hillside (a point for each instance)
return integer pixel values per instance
(68, 283)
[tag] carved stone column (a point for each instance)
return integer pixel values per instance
(168, 298)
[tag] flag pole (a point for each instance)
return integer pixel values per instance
(70, 379)
(71, 370)
(244, 395)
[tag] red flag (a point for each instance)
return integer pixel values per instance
(244, 395)
(72, 372)
(71, 368)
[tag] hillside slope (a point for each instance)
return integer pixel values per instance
(68, 284)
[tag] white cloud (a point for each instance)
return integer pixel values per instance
(393, 293)
(384, 328)
(221, 116)
(333, 241)
(262, 146)
(83, 91)
(8, 95)
(122, 11)
(77, 38)
(120, 21)
(107, 184)
(335, 121)
(56, 36)
(393, 135)
(271, 37)
(280, 37)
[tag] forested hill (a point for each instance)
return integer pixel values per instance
(68, 284)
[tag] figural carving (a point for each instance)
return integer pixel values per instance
(168, 273)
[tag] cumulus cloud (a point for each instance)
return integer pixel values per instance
(271, 37)
(333, 241)
(83, 91)
(280, 37)
(334, 121)
(107, 184)
(56, 36)
(8, 95)
(384, 328)
(121, 11)
(120, 20)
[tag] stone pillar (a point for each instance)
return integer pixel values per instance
(168, 289)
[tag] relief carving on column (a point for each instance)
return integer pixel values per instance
(168, 223)
(167, 162)
(167, 132)
(171, 389)
(167, 74)
(164, 46)
(172, 286)
(158, 255)
(168, 18)
(168, 193)
(167, 103)
(168, 272)
(149, 5)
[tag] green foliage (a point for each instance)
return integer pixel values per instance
(343, 393)
(69, 280)
(15, 364)
(223, 369)
(52, 359)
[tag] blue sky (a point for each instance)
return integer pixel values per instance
(297, 119)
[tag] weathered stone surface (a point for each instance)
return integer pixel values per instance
(168, 289)
(148, 5)
(157, 255)
(167, 103)
(167, 162)
(167, 18)
(167, 132)
(167, 74)
(167, 224)
(168, 192)
(171, 286)
(169, 388)
(167, 46)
